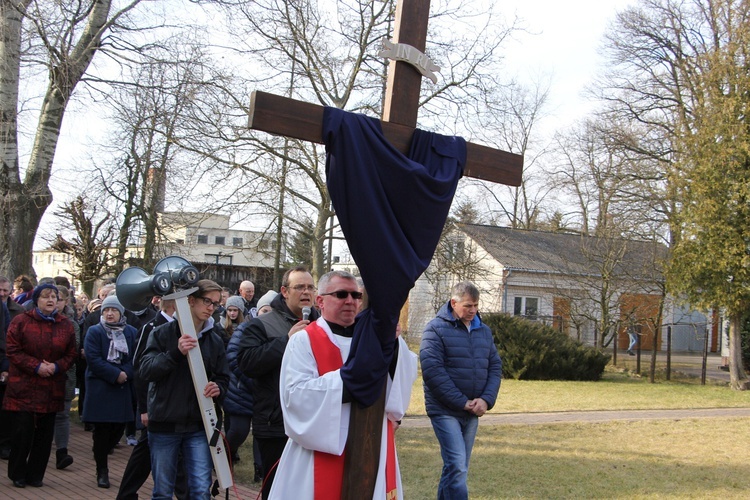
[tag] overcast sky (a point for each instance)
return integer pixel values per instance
(560, 44)
(562, 41)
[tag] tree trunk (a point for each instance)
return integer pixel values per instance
(24, 203)
(88, 288)
(738, 379)
(15, 246)
(320, 231)
(20, 215)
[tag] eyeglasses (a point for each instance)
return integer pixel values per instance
(342, 294)
(303, 288)
(208, 302)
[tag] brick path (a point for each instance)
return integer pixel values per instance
(78, 481)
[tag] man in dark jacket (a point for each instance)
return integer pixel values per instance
(175, 421)
(6, 287)
(261, 347)
(461, 371)
(139, 464)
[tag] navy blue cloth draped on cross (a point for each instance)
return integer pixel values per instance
(392, 209)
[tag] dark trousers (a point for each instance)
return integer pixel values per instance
(238, 428)
(106, 436)
(31, 444)
(270, 453)
(136, 471)
(6, 423)
(139, 468)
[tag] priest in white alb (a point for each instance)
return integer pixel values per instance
(316, 405)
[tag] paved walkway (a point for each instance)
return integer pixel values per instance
(592, 416)
(79, 480)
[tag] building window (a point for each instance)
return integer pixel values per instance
(179, 241)
(236, 242)
(202, 239)
(526, 306)
(219, 240)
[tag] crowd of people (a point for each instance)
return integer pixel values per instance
(272, 365)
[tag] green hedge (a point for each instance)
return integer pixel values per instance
(533, 351)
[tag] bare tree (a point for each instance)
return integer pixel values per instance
(90, 243)
(607, 280)
(455, 260)
(593, 174)
(153, 105)
(327, 53)
(511, 126)
(678, 68)
(61, 38)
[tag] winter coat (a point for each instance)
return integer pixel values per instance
(458, 364)
(239, 400)
(261, 347)
(32, 339)
(140, 385)
(172, 403)
(15, 308)
(106, 400)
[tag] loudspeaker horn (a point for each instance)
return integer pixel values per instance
(135, 287)
(182, 273)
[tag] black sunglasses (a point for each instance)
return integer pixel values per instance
(342, 294)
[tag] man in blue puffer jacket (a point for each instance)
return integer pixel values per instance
(461, 371)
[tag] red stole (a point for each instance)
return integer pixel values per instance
(329, 468)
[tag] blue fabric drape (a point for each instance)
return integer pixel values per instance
(392, 209)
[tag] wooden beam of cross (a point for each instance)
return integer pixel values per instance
(300, 120)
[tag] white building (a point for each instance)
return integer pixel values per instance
(568, 281)
(207, 238)
(199, 238)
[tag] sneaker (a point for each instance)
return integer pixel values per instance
(132, 441)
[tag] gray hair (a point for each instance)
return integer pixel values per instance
(327, 277)
(464, 288)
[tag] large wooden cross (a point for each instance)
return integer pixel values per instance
(302, 120)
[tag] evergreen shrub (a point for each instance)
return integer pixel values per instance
(533, 351)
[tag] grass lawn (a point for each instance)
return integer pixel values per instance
(647, 459)
(616, 391)
(702, 458)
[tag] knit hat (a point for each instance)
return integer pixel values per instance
(235, 301)
(38, 291)
(112, 302)
(94, 304)
(267, 298)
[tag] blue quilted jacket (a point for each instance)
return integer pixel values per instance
(458, 364)
(239, 399)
